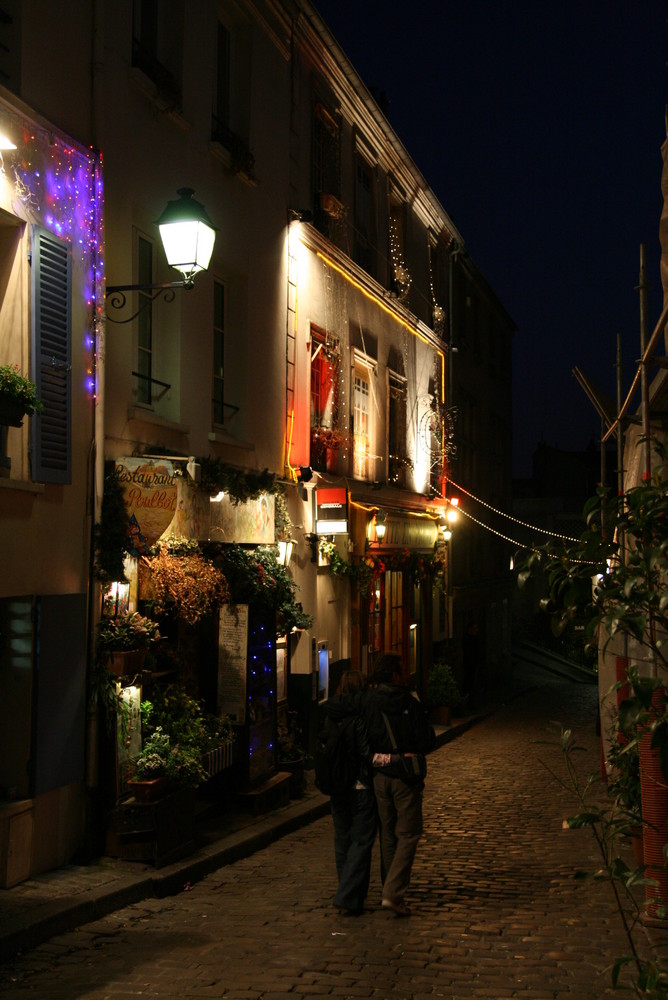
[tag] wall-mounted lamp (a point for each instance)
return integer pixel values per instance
(285, 547)
(116, 600)
(300, 215)
(376, 528)
(194, 469)
(452, 513)
(188, 236)
(305, 474)
(446, 532)
(6, 143)
(314, 541)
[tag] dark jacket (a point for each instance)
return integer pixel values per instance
(346, 709)
(408, 720)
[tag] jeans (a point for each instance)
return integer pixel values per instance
(400, 818)
(355, 822)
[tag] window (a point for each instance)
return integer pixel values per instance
(326, 166)
(394, 587)
(52, 350)
(365, 215)
(325, 436)
(218, 353)
(221, 97)
(438, 284)
(362, 418)
(400, 278)
(231, 112)
(396, 430)
(144, 323)
(157, 33)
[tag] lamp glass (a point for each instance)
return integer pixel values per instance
(380, 530)
(285, 551)
(187, 234)
(188, 246)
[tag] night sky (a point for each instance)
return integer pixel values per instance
(539, 126)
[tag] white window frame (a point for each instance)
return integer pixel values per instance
(363, 458)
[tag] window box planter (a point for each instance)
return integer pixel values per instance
(219, 759)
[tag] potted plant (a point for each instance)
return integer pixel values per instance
(442, 692)
(623, 760)
(124, 641)
(182, 717)
(623, 549)
(18, 396)
(182, 581)
(164, 766)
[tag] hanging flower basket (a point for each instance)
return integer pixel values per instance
(12, 411)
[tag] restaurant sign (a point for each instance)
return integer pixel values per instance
(331, 511)
(150, 493)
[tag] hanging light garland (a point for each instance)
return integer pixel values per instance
(510, 517)
(400, 271)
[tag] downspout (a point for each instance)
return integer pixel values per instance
(96, 478)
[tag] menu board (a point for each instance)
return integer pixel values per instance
(232, 652)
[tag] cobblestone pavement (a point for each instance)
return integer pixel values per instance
(496, 911)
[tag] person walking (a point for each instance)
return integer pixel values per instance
(399, 734)
(353, 807)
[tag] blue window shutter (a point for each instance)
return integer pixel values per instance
(52, 354)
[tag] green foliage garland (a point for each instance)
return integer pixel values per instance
(112, 532)
(362, 573)
(255, 577)
(241, 486)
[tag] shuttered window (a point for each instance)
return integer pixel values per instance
(52, 353)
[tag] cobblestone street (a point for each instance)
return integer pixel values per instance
(496, 911)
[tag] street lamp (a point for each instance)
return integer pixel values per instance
(381, 527)
(188, 236)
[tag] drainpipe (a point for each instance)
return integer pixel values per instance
(96, 456)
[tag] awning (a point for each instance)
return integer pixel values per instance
(415, 532)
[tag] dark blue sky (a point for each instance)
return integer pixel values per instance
(539, 125)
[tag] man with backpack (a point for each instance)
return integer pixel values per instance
(343, 771)
(400, 735)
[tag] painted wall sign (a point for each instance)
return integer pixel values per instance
(250, 523)
(150, 492)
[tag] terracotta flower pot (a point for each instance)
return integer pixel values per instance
(441, 716)
(149, 791)
(126, 662)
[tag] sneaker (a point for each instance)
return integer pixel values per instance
(397, 906)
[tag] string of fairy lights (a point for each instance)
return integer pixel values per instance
(511, 517)
(59, 186)
(507, 538)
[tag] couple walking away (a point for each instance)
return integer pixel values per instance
(385, 734)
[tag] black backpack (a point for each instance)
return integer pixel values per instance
(335, 766)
